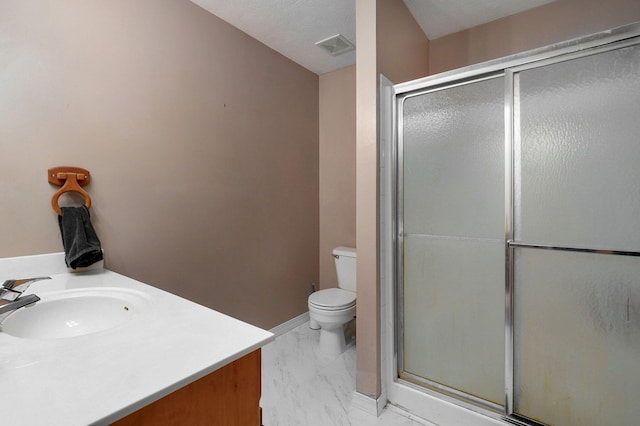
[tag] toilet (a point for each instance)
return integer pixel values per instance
(332, 308)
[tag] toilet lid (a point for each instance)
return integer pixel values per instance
(333, 299)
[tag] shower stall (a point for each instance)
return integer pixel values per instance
(514, 234)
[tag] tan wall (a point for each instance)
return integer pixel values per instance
(389, 41)
(402, 47)
(368, 319)
(337, 167)
(202, 144)
(552, 23)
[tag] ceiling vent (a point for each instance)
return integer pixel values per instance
(336, 45)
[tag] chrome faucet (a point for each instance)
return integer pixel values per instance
(11, 297)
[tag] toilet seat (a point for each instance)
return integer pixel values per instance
(332, 299)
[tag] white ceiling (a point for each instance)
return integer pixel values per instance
(292, 27)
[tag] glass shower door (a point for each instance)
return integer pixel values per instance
(518, 193)
(452, 240)
(577, 233)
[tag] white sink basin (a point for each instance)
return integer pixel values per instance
(71, 313)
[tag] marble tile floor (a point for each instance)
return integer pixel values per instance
(301, 386)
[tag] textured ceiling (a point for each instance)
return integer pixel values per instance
(292, 27)
(441, 17)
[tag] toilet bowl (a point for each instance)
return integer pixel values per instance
(332, 308)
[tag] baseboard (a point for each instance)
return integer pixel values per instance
(279, 330)
(368, 404)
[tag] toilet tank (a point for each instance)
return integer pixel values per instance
(345, 259)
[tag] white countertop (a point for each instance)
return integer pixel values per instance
(101, 377)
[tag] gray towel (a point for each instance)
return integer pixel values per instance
(80, 241)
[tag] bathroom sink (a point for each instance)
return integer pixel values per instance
(71, 313)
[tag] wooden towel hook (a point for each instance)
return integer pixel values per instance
(71, 179)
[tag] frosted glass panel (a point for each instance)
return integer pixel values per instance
(454, 314)
(580, 152)
(453, 201)
(453, 155)
(577, 338)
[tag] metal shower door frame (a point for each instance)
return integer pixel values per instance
(509, 68)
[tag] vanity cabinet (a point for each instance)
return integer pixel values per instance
(203, 367)
(229, 396)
